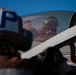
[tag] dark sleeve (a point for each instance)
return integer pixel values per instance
(40, 68)
(71, 73)
(33, 67)
(54, 57)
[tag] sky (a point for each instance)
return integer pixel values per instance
(26, 7)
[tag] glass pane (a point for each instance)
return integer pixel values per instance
(45, 25)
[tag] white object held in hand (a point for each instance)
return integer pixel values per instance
(59, 38)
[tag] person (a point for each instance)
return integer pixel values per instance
(13, 38)
(28, 25)
(48, 29)
(54, 59)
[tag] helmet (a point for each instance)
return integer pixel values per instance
(11, 31)
(51, 21)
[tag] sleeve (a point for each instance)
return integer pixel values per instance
(54, 57)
